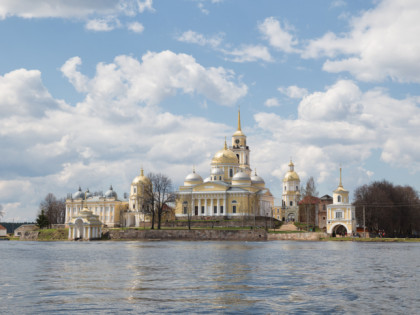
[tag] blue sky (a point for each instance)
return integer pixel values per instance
(93, 90)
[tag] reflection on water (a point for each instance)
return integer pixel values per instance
(209, 277)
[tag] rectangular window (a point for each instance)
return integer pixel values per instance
(339, 215)
(291, 203)
(202, 209)
(221, 209)
(234, 209)
(215, 209)
(185, 210)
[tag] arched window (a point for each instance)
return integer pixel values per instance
(291, 203)
(231, 172)
(185, 207)
(237, 155)
(339, 198)
(285, 188)
(234, 206)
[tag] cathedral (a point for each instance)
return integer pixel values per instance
(231, 190)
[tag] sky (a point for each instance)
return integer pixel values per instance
(91, 91)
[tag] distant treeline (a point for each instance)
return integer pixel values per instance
(12, 226)
(392, 211)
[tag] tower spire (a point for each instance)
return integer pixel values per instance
(225, 144)
(341, 184)
(239, 119)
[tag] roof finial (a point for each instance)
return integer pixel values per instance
(225, 144)
(239, 119)
(341, 184)
(141, 171)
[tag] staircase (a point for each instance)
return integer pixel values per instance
(289, 226)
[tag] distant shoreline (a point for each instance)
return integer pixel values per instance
(225, 234)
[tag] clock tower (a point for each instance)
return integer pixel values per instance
(240, 148)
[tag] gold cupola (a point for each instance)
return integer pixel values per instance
(291, 175)
(225, 156)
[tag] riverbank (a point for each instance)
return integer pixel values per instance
(202, 234)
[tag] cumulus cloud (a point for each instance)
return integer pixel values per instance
(272, 102)
(99, 15)
(278, 36)
(293, 91)
(73, 9)
(343, 124)
(136, 27)
(382, 43)
(156, 77)
(249, 53)
(103, 24)
(199, 39)
(22, 93)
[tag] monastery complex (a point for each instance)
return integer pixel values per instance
(231, 190)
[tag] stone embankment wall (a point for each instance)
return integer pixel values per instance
(29, 236)
(310, 236)
(194, 235)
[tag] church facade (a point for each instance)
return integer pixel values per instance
(341, 215)
(231, 190)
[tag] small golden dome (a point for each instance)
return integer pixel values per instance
(238, 133)
(291, 176)
(141, 179)
(225, 156)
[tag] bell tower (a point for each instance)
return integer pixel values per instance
(240, 148)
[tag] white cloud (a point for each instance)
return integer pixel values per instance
(293, 91)
(342, 125)
(158, 76)
(136, 27)
(249, 53)
(199, 39)
(272, 102)
(23, 94)
(279, 37)
(338, 103)
(382, 43)
(49, 146)
(71, 9)
(103, 24)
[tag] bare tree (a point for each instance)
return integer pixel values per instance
(54, 209)
(158, 196)
(309, 202)
(394, 210)
(1, 211)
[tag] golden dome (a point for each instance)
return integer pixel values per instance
(291, 176)
(141, 179)
(238, 133)
(225, 156)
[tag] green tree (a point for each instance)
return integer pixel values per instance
(42, 220)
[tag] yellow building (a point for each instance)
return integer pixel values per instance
(108, 207)
(230, 190)
(291, 194)
(137, 211)
(341, 215)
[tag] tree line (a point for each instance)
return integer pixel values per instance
(389, 209)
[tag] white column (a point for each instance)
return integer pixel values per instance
(89, 232)
(69, 232)
(74, 232)
(218, 206)
(211, 206)
(224, 206)
(199, 206)
(205, 206)
(192, 206)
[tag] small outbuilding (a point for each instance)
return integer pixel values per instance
(85, 226)
(3, 231)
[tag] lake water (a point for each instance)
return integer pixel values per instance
(209, 277)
